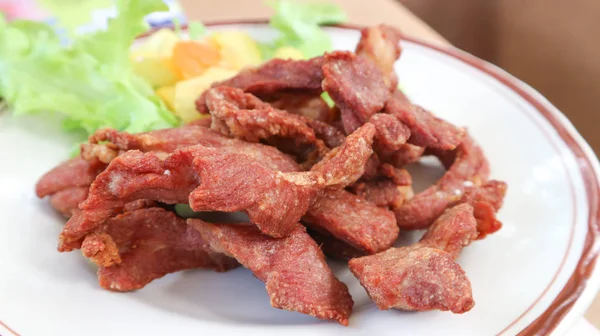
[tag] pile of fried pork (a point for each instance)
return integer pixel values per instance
(313, 180)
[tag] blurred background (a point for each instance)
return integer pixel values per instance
(553, 45)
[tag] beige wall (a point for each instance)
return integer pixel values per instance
(554, 45)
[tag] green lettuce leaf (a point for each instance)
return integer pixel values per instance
(299, 25)
(196, 29)
(90, 82)
(74, 13)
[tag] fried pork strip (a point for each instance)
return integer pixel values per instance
(243, 116)
(306, 105)
(391, 133)
(423, 276)
(166, 141)
(209, 179)
(378, 221)
(381, 45)
(486, 201)
(383, 193)
(406, 154)
(134, 248)
(273, 77)
(293, 268)
(67, 200)
(426, 130)
(356, 86)
(68, 184)
(352, 220)
(76, 172)
(467, 166)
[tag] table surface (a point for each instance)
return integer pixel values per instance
(359, 12)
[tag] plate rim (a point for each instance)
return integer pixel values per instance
(584, 282)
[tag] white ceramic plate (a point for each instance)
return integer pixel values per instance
(534, 276)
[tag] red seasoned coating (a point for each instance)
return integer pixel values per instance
(356, 86)
(332, 136)
(381, 44)
(452, 231)
(486, 201)
(391, 133)
(387, 186)
(243, 116)
(67, 200)
(426, 129)
(137, 247)
(414, 278)
(130, 177)
(76, 172)
(371, 168)
(406, 154)
(165, 141)
(273, 200)
(399, 176)
(470, 167)
(135, 175)
(293, 268)
(306, 105)
(346, 163)
(383, 193)
(275, 76)
(353, 220)
(423, 276)
(277, 197)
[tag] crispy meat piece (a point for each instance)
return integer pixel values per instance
(423, 276)
(135, 175)
(137, 247)
(371, 168)
(276, 197)
(334, 248)
(388, 187)
(165, 141)
(469, 168)
(381, 44)
(332, 136)
(274, 200)
(243, 116)
(76, 172)
(346, 163)
(356, 86)
(426, 129)
(306, 105)
(453, 230)
(486, 201)
(383, 193)
(353, 220)
(67, 200)
(414, 278)
(275, 76)
(391, 133)
(406, 154)
(293, 268)
(67, 184)
(399, 176)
